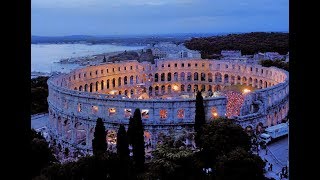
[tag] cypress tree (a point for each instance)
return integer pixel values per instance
(99, 145)
(122, 143)
(199, 119)
(138, 141)
(123, 152)
(104, 59)
(130, 130)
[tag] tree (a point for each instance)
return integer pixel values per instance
(240, 164)
(220, 137)
(123, 151)
(130, 130)
(99, 144)
(172, 160)
(137, 141)
(104, 59)
(199, 119)
(41, 155)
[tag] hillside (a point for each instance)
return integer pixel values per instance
(248, 43)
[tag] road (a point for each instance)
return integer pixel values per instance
(277, 154)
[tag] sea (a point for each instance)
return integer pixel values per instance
(44, 57)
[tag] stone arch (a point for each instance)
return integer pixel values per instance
(169, 76)
(169, 89)
(244, 80)
(163, 89)
(97, 86)
(156, 90)
(189, 88)
(131, 80)
(182, 88)
(81, 133)
(217, 88)
(86, 87)
(195, 76)
(102, 84)
(113, 82)
(156, 77)
(189, 76)
(265, 84)
(182, 76)
(108, 84)
(226, 78)
(175, 76)
(125, 80)
(217, 77)
(126, 92)
(250, 81)
(80, 88)
(260, 84)
(255, 82)
(259, 128)
(150, 90)
(210, 77)
(203, 77)
(75, 88)
(232, 80)
(119, 81)
(91, 84)
(162, 77)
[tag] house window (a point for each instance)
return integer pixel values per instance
(175, 65)
(163, 114)
(127, 113)
(95, 109)
(112, 111)
(145, 113)
(180, 113)
(182, 65)
(189, 64)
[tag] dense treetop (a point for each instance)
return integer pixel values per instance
(39, 94)
(248, 43)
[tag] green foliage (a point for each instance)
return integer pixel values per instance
(126, 55)
(220, 137)
(248, 43)
(41, 155)
(39, 94)
(102, 167)
(199, 119)
(240, 164)
(276, 63)
(99, 145)
(172, 161)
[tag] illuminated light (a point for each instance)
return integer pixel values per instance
(215, 114)
(175, 87)
(245, 91)
(113, 92)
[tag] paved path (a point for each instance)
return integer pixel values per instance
(39, 120)
(277, 155)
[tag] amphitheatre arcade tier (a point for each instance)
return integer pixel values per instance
(165, 94)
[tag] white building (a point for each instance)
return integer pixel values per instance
(168, 50)
(231, 53)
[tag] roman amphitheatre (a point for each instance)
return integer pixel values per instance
(253, 96)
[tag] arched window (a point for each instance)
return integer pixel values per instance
(203, 87)
(125, 80)
(169, 89)
(203, 77)
(232, 81)
(163, 89)
(75, 88)
(189, 76)
(102, 84)
(210, 77)
(162, 77)
(97, 86)
(131, 79)
(218, 77)
(250, 81)
(156, 89)
(150, 91)
(80, 88)
(86, 88)
(108, 83)
(226, 78)
(156, 77)
(91, 87)
(196, 76)
(175, 76)
(195, 88)
(113, 82)
(169, 77)
(182, 87)
(119, 81)
(182, 76)
(189, 88)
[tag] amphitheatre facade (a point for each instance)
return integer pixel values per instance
(165, 94)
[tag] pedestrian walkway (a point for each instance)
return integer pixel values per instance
(277, 157)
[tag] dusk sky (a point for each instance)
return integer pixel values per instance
(129, 17)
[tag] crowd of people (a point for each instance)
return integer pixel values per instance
(235, 101)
